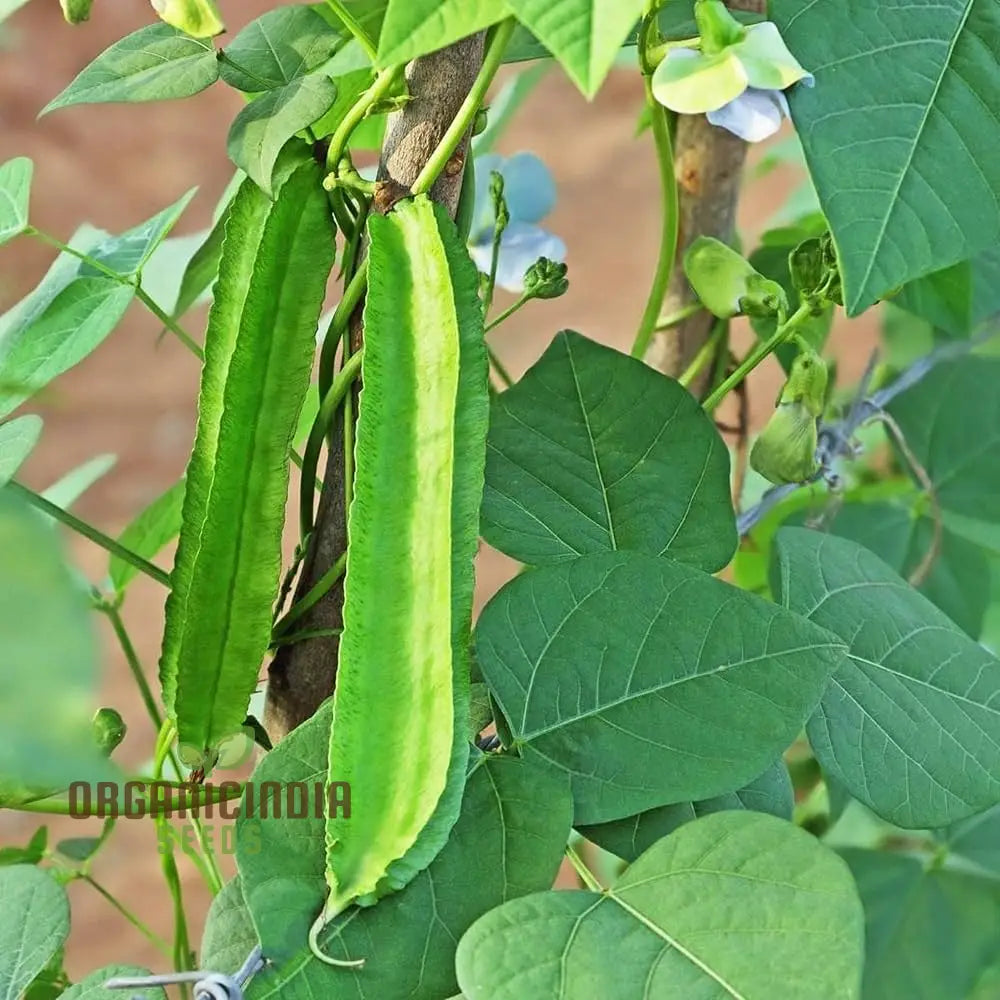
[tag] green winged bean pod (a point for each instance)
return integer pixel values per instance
(401, 705)
(259, 348)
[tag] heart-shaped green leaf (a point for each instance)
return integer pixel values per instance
(910, 722)
(904, 103)
(594, 451)
(595, 676)
(731, 906)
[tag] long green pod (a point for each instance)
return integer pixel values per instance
(400, 709)
(259, 349)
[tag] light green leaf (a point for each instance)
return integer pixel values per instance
(164, 271)
(957, 298)
(904, 103)
(147, 534)
(771, 792)
(263, 127)
(31, 853)
(33, 926)
(156, 63)
(596, 678)
(127, 254)
(910, 723)
(731, 906)
(258, 352)
(413, 28)
(15, 190)
(51, 659)
(70, 487)
(498, 850)
(930, 933)
(92, 987)
(278, 47)
(71, 326)
(584, 35)
(976, 840)
(959, 578)
(594, 451)
(951, 421)
(17, 440)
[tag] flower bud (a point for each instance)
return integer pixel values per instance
(546, 279)
(109, 730)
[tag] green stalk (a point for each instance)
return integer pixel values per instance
(668, 183)
(297, 610)
(508, 312)
(704, 355)
(757, 355)
(354, 27)
(586, 876)
(342, 134)
(149, 935)
(317, 435)
(89, 532)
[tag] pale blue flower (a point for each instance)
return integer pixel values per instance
(530, 194)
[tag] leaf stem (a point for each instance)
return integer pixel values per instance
(299, 608)
(499, 367)
(148, 934)
(89, 532)
(704, 355)
(317, 435)
(353, 295)
(354, 27)
(382, 84)
(757, 355)
(508, 312)
(670, 212)
(586, 876)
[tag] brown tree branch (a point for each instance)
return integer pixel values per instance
(302, 674)
(708, 164)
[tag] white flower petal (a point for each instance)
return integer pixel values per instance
(754, 115)
(521, 245)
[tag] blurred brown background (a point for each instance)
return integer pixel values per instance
(114, 166)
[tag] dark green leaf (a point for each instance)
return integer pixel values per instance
(628, 838)
(930, 934)
(959, 578)
(28, 855)
(648, 682)
(147, 534)
(33, 925)
(503, 846)
(958, 298)
(262, 128)
(904, 103)
(734, 905)
(951, 421)
(910, 723)
(594, 451)
(155, 63)
(15, 190)
(278, 47)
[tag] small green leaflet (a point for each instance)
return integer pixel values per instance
(92, 987)
(584, 35)
(262, 128)
(278, 47)
(152, 64)
(148, 533)
(15, 188)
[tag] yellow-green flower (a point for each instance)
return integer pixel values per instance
(739, 86)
